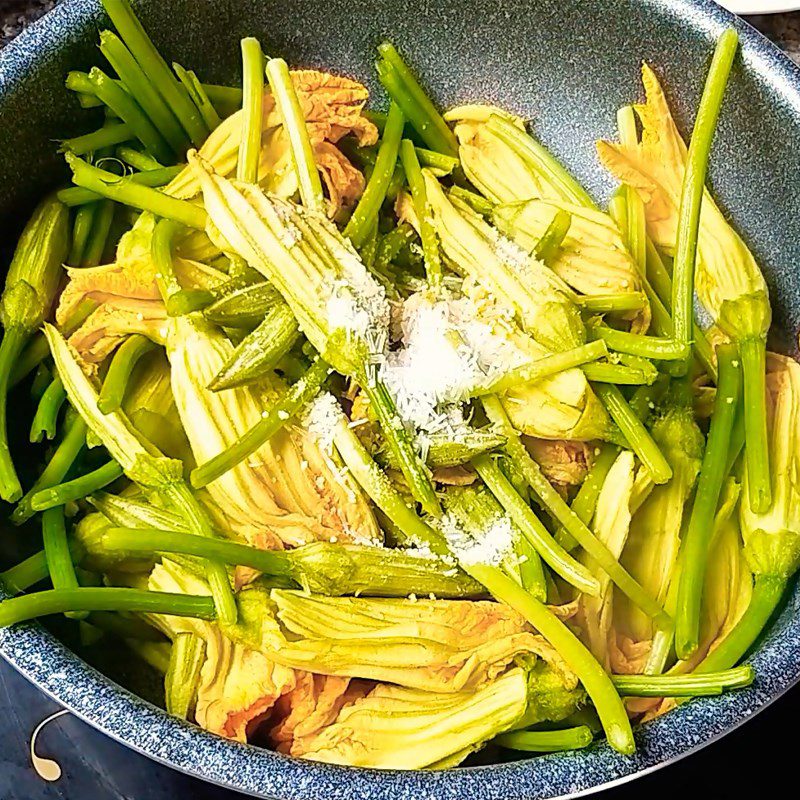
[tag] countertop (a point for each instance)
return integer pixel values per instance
(94, 767)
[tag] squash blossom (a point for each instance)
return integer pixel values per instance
(289, 492)
(562, 406)
(529, 188)
(727, 279)
(651, 551)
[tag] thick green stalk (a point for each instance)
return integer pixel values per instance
(595, 680)
(199, 96)
(129, 111)
(151, 62)
(609, 303)
(186, 658)
(709, 485)
(547, 741)
(59, 558)
(284, 409)
(101, 227)
(138, 159)
(181, 498)
(401, 446)
(81, 229)
(430, 242)
(655, 347)
(78, 488)
(14, 339)
(703, 685)
(27, 573)
(634, 431)
(78, 196)
(479, 204)
(294, 124)
(544, 367)
(107, 136)
(56, 469)
(557, 507)
(126, 191)
(369, 205)
(759, 480)
(405, 90)
(694, 182)
(767, 593)
(143, 91)
(61, 601)
(548, 246)
(46, 417)
(119, 372)
(558, 559)
(622, 374)
(252, 110)
(227, 100)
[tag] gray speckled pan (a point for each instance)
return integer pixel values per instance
(566, 64)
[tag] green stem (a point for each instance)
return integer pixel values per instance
(557, 507)
(129, 111)
(107, 136)
(284, 409)
(657, 274)
(161, 247)
(694, 181)
(199, 96)
(655, 347)
(153, 540)
(154, 178)
(56, 469)
(14, 339)
(27, 573)
(380, 490)
(544, 367)
(623, 374)
(101, 227)
(366, 212)
(143, 91)
(150, 60)
(547, 741)
(119, 372)
(709, 484)
(558, 559)
(707, 684)
(181, 498)
(756, 451)
(78, 488)
(186, 658)
(405, 90)
(56, 550)
(46, 417)
(767, 593)
(401, 446)
(438, 163)
(252, 106)
(294, 124)
(634, 431)
(548, 246)
(477, 203)
(31, 357)
(125, 191)
(390, 245)
(430, 241)
(61, 601)
(609, 303)
(595, 680)
(81, 228)
(138, 159)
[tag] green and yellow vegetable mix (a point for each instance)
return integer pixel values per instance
(374, 432)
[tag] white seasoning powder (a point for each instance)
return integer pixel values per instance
(321, 417)
(491, 547)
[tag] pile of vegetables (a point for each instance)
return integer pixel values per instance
(374, 433)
